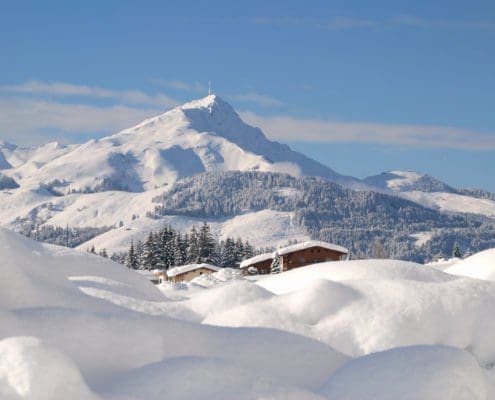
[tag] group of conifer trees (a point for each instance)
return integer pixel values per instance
(168, 248)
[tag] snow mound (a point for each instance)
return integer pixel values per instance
(26, 263)
(350, 270)
(31, 370)
(202, 378)
(222, 275)
(480, 266)
(410, 373)
(226, 297)
(104, 324)
(368, 306)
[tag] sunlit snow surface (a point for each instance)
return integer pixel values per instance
(77, 326)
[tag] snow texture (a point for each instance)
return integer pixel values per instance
(75, 325)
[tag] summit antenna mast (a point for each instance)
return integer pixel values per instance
(209, 88)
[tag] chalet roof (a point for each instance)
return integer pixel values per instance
(291, 249)
(256, 259)
(309, 244)
(190, 267)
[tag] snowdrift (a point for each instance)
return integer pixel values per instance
(74, 325)
(410, 373)
(480, 266)
(88, 328)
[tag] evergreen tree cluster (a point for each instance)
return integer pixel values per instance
(63, 236)
(169, 247)
(367, 223)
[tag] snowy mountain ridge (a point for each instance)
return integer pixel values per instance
(111, 182)
(199, 136)
(433, 193)
(404, 181)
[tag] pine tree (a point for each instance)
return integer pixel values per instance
(228, 254)
(193, 249)
(248, 250)
(131, 260)
(238, 251)
(276, 266)
(148, 255)
(456, 252)
(179, 250)
(206, 244)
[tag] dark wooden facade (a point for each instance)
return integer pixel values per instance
(263, 267)
(307, 256)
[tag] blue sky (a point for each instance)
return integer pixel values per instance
(361, 86)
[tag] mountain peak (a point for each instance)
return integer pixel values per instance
(406, 180)
(209, 102)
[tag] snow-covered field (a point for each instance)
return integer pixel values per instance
(77, 326)
(451, 202)
(262, 228)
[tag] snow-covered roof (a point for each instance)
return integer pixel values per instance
(290, 249)
(311, 243)
(148, 274)
(190, 267)
(256, 259)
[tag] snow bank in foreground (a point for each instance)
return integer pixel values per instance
(98, 325)
(350, 270)
(80, 327)
(360, 307)
(31, 370)
(480, 266)
(410, 373)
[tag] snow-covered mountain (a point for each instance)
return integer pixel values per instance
(200, 136)
(430, 192)
(407, 181)
(110, 183)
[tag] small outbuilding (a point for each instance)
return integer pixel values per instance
(185, 273)
(258, 265)
(294, 256)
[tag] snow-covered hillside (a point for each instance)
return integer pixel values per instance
(430, 192)
(202, 135)
(262, 228)
(74, 325)
(111, 181)
(479, 266)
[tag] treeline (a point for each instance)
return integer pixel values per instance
(362, 221)
(61, 236)
(169, 247)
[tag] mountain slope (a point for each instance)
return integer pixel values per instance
(202, 135)
(365, 222)
(430, 192)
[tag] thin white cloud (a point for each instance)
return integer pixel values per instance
(63, 89)
(34, 121)
(338, 22)
(257, 98)
(341, 23)
(420, 22)
(287, 128)
(181, 85)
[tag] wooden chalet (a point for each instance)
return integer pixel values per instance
(185, 273)
(295, 256)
